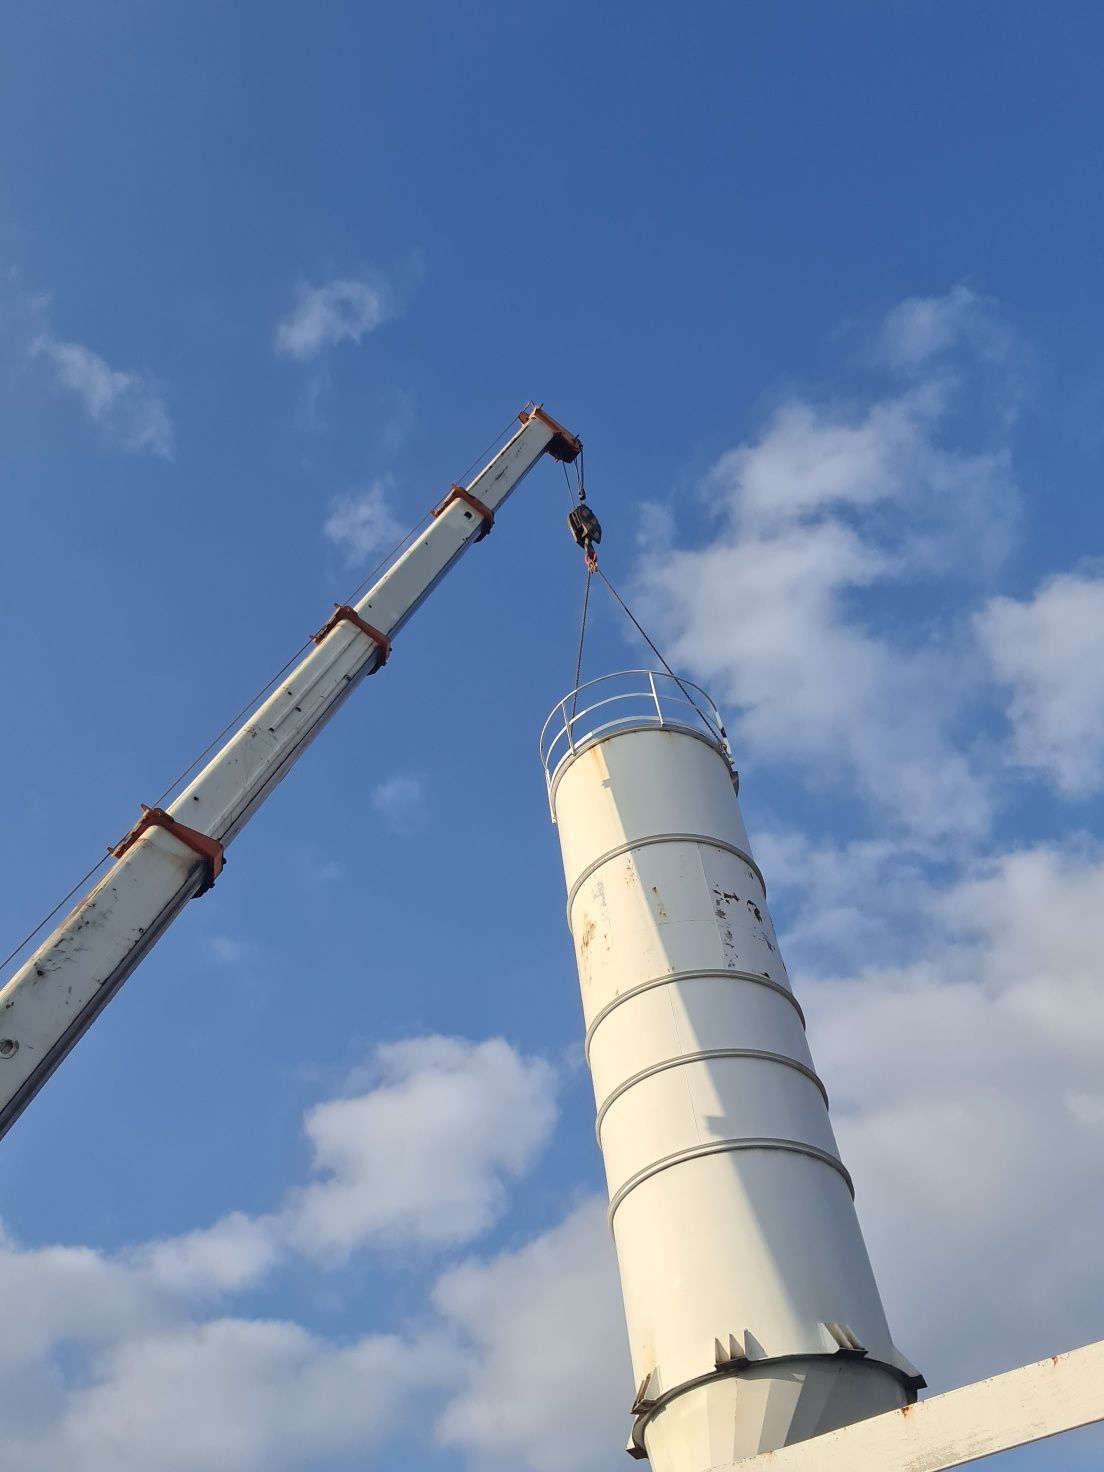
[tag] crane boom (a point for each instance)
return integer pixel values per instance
(173, 854)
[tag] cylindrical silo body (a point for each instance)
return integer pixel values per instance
(753, 1315)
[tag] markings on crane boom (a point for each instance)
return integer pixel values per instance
(458, 493)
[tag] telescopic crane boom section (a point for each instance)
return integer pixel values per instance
(173, 854)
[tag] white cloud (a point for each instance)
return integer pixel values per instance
(547, 1381)
(235, 1395)
(1047, 650)
(58, 1294)
(398, 426)
(816, 520)
(362, 523)
(817, 511)
(118, 1368)
(419, 1156)
(126, 405)
(922, 328)
(401, 803)
(968, 1096)
(229, 1395)
(423, 1158)
(811, 459)
(337, 311)
(655, 526)
(228, 951)
(846, 904)
(235, 1253)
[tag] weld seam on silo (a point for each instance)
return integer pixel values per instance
(721, 1147)
(646, 986)
(631, 847)
(704, 1055)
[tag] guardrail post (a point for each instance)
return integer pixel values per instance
(655, 697)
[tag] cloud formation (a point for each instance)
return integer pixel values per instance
(124, 1363)
(233, 1254)
(344, 310)
(830, 503)
(425, 1155)
(110, 1374)
(967, 1094)
(127, 406)
(362, 523)
(1046, 651)
(401, 803)
(922, 328)
(418, 1153)
(543, 1330)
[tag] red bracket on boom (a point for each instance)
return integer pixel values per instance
(203, 844)
(458, 493)
(342, 611)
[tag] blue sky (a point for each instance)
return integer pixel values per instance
(819, 287)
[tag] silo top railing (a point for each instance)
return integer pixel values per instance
(617, 702)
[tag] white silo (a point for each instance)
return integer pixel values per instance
(753, 1316)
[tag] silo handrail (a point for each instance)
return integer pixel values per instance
(655, 698)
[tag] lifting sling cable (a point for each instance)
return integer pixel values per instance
(586, 530)
(582, 635)
(721, 734)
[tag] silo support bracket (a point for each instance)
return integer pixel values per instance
(1060, 1393)
(741, 1365)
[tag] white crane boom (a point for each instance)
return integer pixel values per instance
(173, 854)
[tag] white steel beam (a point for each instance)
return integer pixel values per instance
(55, 995)
(1010, 1410)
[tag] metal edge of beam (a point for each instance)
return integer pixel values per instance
(1021, 1406)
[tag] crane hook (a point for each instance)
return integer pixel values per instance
(586, 530)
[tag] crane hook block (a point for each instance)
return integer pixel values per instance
(584, 527)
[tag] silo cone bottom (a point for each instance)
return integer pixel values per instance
(716, 1424)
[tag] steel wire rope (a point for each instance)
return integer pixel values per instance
(422, 521)
(571, 497)
(387, 559)
(567, 483)
(579, 657)
(47, 918)
(501, 435)
(280, 673)
(244, 710)
(721, 735)
(234, 721)
(229, 726)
